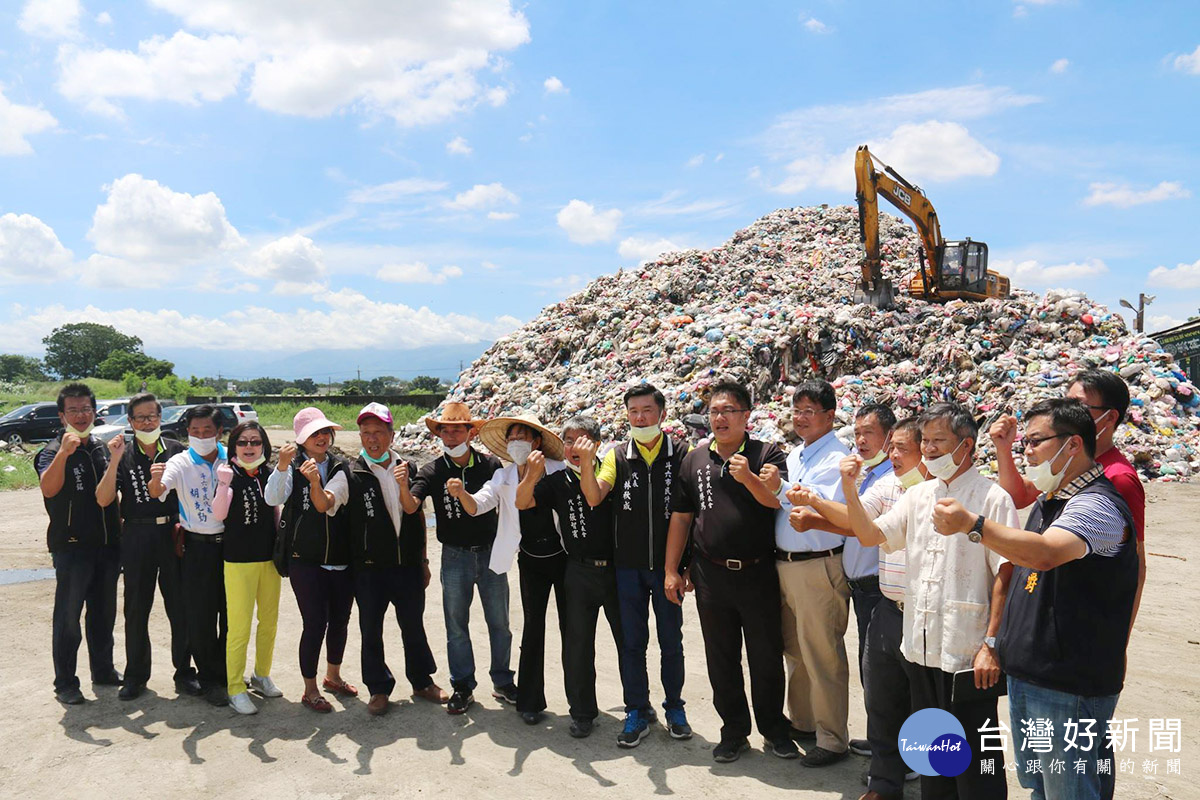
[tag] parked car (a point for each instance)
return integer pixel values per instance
(173, 426)
(245, 412)
(110, 427)
(112, 408)
(35, 422)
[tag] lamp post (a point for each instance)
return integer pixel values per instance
(1143, 301)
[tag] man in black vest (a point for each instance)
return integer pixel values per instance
(1065, 628)
(644, 468)
(390, 564)
(147, 548)
(84, 544)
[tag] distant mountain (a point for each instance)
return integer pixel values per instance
(440, 361)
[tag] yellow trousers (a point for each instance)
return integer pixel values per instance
(245, 584)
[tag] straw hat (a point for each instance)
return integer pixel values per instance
(494, 432)
(453, 414)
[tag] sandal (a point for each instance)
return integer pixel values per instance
(340, 688)
(317, 703)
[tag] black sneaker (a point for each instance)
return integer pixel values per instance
(131, 691)
(70, 697)
(531, 717)
(460, 701)
(783, 748)
(860, 747)
(112, 678)
(217, 696)
(730, 750)
(580, 728)
(506, 694)
(802, 736)
(634, 731)
(189, 686)
(677, 724)
(820, 757)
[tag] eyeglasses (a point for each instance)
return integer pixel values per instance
(807, 413)
(249, 442)
(1034, 441)
(144, 418)
(79, 412)
(717, 413)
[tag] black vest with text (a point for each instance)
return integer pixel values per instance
(313, 537)
(642, 503)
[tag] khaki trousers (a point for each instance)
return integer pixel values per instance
(816, 608)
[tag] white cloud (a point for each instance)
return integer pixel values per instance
(51, 19)
(482, 196)
(30, 251)
(18, 122)
(585, 225)
(488, 265)
(142, 220)
(695, 161)
(1189, 62)
(670, 205)
(814, 25)
(183, 69)
(553, 85)
(1160, 322)
(1125, 196)
(1060, 66)
(417, 272)
(458, 146)
(289, 259)
(105, 18)
(1182, 276)
(1032, 272)
(416, 63)
(502, 215)
(645, 249)
(928, 152)
(390, 192)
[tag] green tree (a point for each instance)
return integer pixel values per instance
(305, 385)
(116, 365)
(76, 350)
(355, 386)
(425, 383)
(17, 369)
(265, 386)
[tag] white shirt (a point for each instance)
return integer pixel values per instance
(949, 578)
(389, 487)
(877, 500)
(195, 483)
(816, 466)
(500, 492)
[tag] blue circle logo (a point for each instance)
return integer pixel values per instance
(932, 742)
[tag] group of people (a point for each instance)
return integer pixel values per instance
(776, 548)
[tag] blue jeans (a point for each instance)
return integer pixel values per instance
(1029, 702)
(637, 591)
(462, 571)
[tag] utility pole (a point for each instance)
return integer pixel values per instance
(1143, 301)
(359, 371)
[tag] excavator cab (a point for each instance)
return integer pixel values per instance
(964, 267)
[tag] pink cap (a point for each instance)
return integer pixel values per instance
(377, 410)
(310, 420)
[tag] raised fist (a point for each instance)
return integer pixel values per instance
(850, 467)
(286, 454)
(1004, 432)
(116, 446)
(400, 473)
(454, 488)
(309, 470)
(224, 474)
(739, 468)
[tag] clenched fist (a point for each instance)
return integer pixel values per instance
(801, 495)
(286, 454)
(157, 469)
(769, 474)
(309, 470)
(400, 473)
(739, 468)
(454, 488)
(536, 465)
(70, 443)
(224, 474)
(850, 467)
(586, 449)
(116, 446)
(1004, 432)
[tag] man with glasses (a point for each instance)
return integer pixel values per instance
(812, 583)
(83, 539)
(1106, 396)
(725, 499)
(1066, 616)
(147, 548)
(954, 589)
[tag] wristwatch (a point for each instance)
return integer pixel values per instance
(976, 532)
(990, 641)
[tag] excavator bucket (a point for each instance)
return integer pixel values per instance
(880, 295)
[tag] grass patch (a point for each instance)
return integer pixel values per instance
(48, 390)
(21, 476)
(281, 414)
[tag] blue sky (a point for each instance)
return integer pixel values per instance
(277, 176)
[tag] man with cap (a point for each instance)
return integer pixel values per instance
(645, 468)
(533, 536)
(390, 564)
(83, 542)
(466, 552)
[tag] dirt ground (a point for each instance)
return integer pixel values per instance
(163, 745)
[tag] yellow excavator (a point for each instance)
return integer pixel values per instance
(948, 270)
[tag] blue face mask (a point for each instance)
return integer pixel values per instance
(386, 455)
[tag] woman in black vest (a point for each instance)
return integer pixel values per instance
(250, 574)
(312, 486)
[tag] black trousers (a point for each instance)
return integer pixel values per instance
(204, 606)
(84, 577)
(538, 577)
(326, 599)
(732, 605)
(931, 689)
(148, 557)
(588, 590)
(402, 587)
(888, 697)
(865, 594)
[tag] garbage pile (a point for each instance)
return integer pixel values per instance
(774, 305)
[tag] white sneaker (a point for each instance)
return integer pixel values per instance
(242, 704)
(264, 686)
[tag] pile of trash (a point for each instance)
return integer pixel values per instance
(774, 306)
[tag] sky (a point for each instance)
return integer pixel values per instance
(241, 177)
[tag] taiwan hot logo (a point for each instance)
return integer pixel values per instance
(933, 742)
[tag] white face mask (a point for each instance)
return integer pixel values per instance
(148, 437)
(82, 434)
(1100, 431)
(647, 434)
(875, 459)
(458, 451)
(943, 467)
(519, 450)
(576, 468)
(252, 465)
(1043, 475)
(910, 478)
(203, 447)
